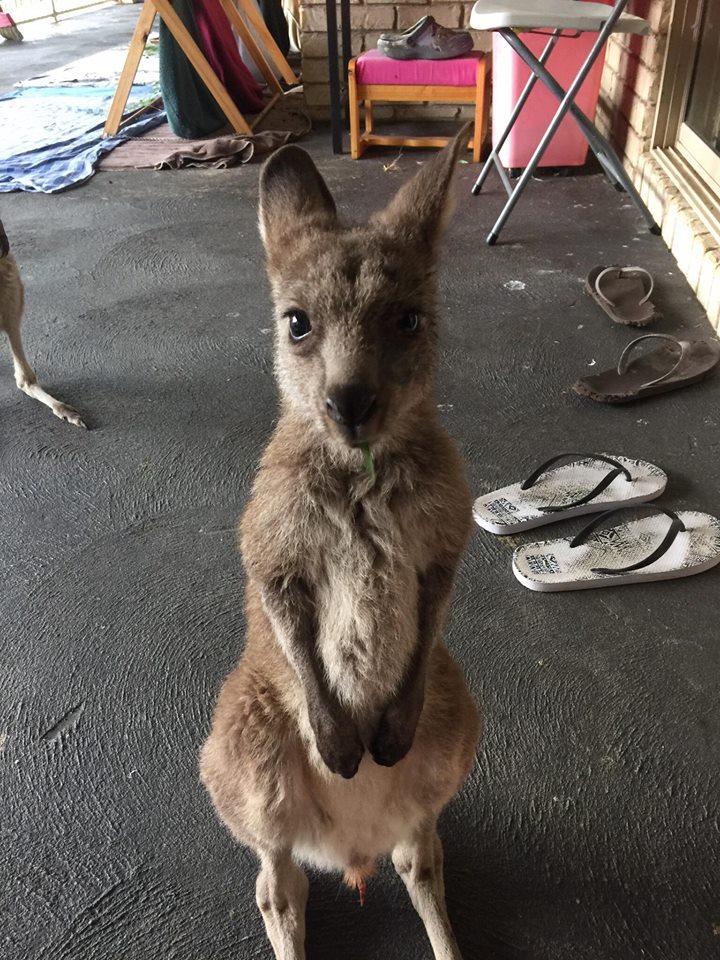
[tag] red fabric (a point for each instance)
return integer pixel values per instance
(219, 45)
(374, 67)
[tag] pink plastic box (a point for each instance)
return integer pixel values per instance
(568, 148)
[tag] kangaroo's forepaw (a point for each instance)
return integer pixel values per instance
(339, 745)
(69, 414)
(394, 736)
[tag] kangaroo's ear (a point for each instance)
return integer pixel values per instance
(293, 196)
(421, 209)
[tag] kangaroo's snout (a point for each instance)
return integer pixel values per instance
(351, 406)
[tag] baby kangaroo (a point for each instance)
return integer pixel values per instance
(347, 726)
(11, 309)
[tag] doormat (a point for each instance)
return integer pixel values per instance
(286, 121)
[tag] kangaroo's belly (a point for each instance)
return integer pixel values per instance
(268, 781)
(353, 822)
(361, 820)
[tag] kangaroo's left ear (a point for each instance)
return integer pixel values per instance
(4, 243)
(421, 209)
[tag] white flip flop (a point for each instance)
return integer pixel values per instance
(591, 483)
(631, 551)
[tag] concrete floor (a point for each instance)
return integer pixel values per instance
(49, 45)
(589, 827)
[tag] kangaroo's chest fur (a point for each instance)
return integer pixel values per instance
(367, 593)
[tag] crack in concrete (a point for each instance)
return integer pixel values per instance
(65, 724)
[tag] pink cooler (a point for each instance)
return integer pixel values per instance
(568, 148)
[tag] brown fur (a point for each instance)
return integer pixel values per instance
(347, 725)
(12, 297)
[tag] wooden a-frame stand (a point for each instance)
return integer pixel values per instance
(196, 57)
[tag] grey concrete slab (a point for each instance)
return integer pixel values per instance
(589, 827)
(48, 45)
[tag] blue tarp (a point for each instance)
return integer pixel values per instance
(51, 136)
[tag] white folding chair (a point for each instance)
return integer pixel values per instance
(556, 17)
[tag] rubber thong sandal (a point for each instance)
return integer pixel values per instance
(677, 364)
(630, 551)
(591, 482)
(623, 293)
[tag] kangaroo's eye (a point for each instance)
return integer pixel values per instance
(299, 324)
(410, 322)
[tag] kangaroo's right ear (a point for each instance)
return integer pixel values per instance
(293, 196)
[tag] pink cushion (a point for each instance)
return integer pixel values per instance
(374, 67)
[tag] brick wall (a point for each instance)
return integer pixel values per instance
(370, 18)
(631, 83)
(626, 113)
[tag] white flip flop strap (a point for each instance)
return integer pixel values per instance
(623, 362)
(624, 271)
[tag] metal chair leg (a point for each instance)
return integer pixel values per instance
(494, 157)
(562, 110)
(346, 55)
(606, 155)
(504, 178)
(566, 105)
(334, 81)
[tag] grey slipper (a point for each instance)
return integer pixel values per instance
(677, 364)
(623, 293)
(425, 40)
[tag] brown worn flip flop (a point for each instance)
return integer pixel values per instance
(678, 364)
(623, 293)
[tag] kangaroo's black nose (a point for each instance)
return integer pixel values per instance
(350, 406)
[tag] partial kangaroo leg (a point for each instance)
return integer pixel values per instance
(26, 380)
(24, 374)
(420, 864)
(282, 891)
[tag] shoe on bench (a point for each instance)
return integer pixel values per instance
(425, 40)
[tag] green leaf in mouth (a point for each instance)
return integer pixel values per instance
(368, 460)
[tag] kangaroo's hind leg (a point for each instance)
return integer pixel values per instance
(420, 864)
(253, 767)
(11, 310)
(282, 891)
